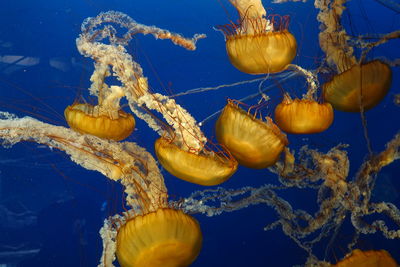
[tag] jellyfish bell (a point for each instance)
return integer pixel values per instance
(259, 44)
(370, 258)
(358, 85)
(361, 85)
(262, 51)
(254, 143)
(166, 237)
(269, 52)
(303, 116)
(86, 118)
(106, 119)
(205, 168)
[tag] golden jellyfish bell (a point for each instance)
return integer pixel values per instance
(166, 237)
(259, 44)
(303, 116)
(203, 169)
(371, 258)
(253, 143)
(371, 80)
(82, 118)
(261, 53)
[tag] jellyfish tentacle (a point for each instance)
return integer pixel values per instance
(130, 74)
(346, 198)
(117, 161)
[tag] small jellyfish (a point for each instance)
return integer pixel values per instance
(83, 118)
(204, 167)
(303, 116)
(106, 119)
(166, 237)
(370, 258)
(258, 44)
(254, 143)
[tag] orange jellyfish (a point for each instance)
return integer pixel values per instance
(254, 143)
(105, 120)
(370, 258)
(83, 118)
(203, 167)
(361, 85)
(166, 237)
(303, 116)
(358, 85)
(258, 44)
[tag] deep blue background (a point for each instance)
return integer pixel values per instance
(70, 203)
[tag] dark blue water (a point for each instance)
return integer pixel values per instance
(51, 209)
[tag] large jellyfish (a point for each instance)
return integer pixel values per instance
(255, 143)
(258, 44)
(359, 84)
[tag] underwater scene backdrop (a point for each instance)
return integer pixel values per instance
(52, 209)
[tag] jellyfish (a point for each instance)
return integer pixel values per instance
(203, 169)
(105, 120)
(253, 142)
(370, 258)
(359, 84)
(85, 118)
(166, 237)
(305, 115)
(366, 82)
(258, 44)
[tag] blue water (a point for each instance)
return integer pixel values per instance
(52, 205)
